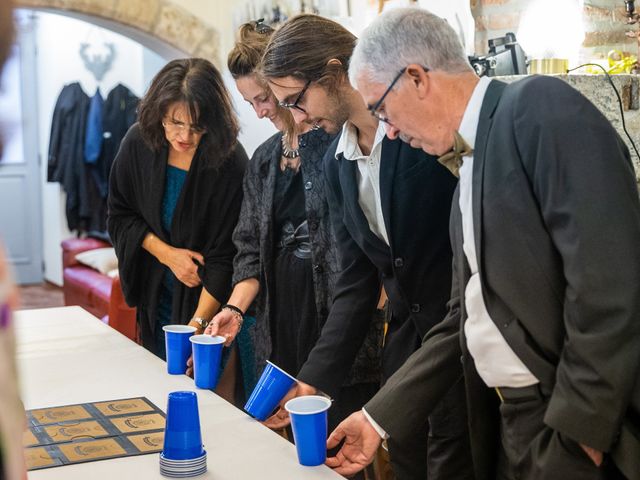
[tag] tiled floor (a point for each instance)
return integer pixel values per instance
(43, 295)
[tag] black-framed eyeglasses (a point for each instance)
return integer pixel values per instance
(375, 107)
(297, 100)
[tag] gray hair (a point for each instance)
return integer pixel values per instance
(403, 36)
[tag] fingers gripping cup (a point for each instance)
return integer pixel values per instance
(273, 385)
(176, 338)
(207, 352)
(309, 423)
(182, 437)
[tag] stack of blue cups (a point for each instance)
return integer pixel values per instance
(183, 454)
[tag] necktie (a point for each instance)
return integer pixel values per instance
(93, 132)
(453, 159)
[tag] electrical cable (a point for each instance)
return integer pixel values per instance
(624, 126)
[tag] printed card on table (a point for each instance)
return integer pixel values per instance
(65, 433)
(46, 416)
(119, 407)
(148, 442)
(92, 450)
(38, 458)
(139, 423)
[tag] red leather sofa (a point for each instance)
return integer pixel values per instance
(97, 293)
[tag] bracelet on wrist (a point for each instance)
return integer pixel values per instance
(228, 306)
(236, 313)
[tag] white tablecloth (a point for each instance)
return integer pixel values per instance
(67, 356)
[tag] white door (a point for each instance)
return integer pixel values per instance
(20, 210)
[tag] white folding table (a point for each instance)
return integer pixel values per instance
(67, 356)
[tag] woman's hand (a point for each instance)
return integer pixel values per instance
(182, 263)
(226, 324)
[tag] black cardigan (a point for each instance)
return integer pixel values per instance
(254, 239)
(204, 219)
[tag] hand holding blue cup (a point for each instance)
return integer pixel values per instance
(309, 424)
(176, 338)
(207, 352)
(273, 385)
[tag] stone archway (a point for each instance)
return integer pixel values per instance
(143, 19)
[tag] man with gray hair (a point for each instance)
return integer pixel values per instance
(543, 316)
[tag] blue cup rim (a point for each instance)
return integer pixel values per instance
(281, 370)
(179, 328)
(207, 339)
(290, 406)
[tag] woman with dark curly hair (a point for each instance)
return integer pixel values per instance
(174, 199)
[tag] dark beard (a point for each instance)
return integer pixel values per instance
(339, 115)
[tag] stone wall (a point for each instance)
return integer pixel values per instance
(597, 89)
(604, 21)
(166, 20)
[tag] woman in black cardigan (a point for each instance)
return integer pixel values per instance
(286, 262)
(174, 199)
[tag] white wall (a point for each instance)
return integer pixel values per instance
(58, 40)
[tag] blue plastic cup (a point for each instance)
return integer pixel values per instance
(309, 423)
(273, 385)
(207, 352)
(182, 437)
(176, 339)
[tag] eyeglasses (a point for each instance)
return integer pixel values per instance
(172, 126)
(297, 100)
(374, 108)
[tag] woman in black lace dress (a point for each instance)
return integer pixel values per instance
(286, 263)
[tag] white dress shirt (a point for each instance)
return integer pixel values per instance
(495, 361)
(368, 175)
(368, 190)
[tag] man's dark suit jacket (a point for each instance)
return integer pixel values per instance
(415, 269)
(557, 231)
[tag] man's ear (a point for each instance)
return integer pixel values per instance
(338, 78)
(419, 78)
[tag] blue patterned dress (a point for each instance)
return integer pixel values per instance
(172, 188)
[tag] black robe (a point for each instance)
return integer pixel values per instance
(204, 219)
(118, 114)
(66, 153)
